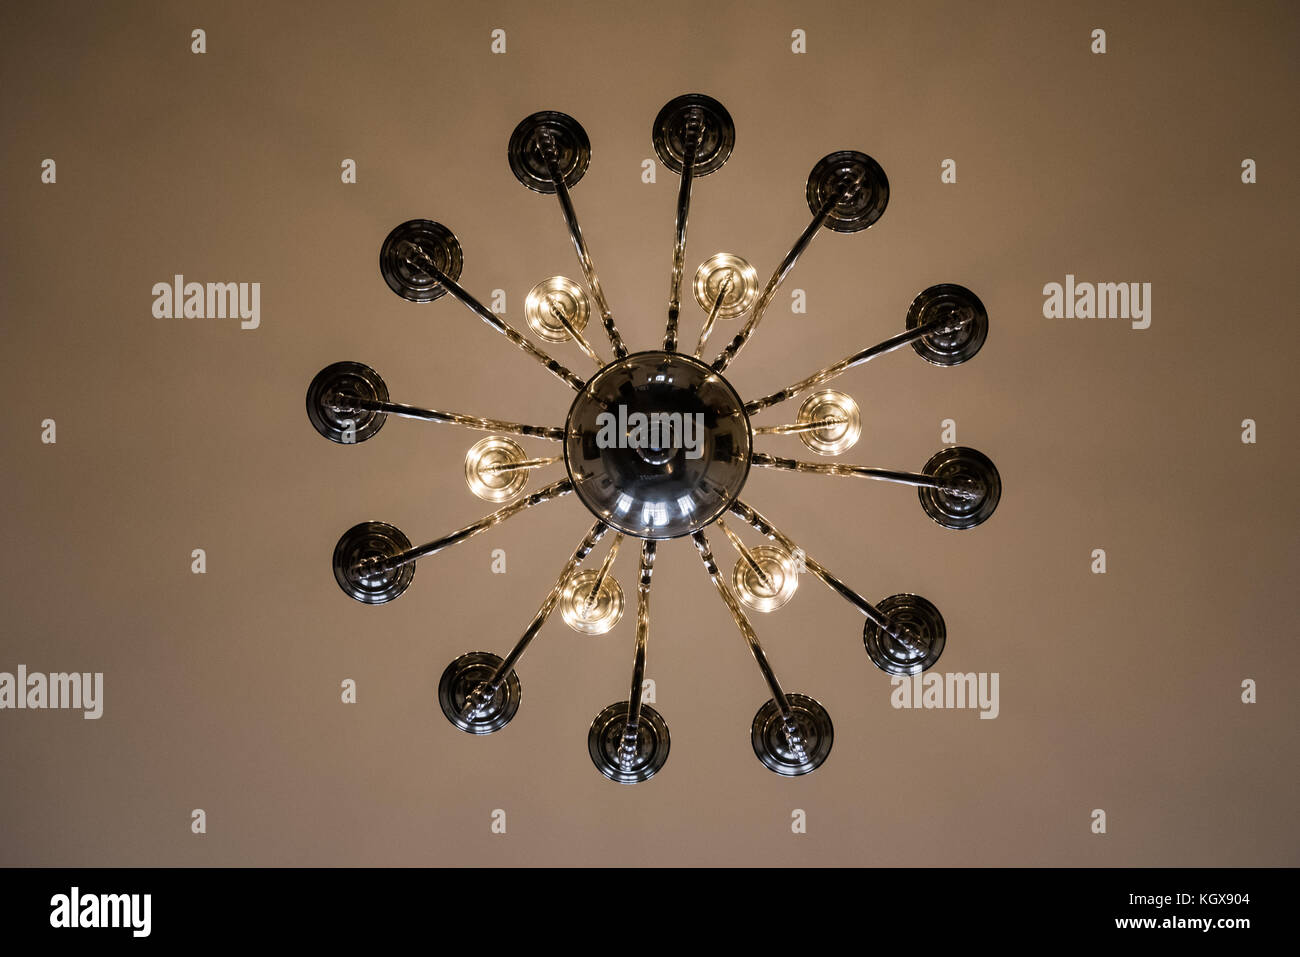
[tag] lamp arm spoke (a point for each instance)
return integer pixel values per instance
(580, 247)
(746, 555)
(693, 130)
(847, 363)
(709, 323)
(915, 479)
(420, 259)
(575, 333)
(346, 402)
(628, 746)
(782, 271)
(555, 490)
(483, 693)
(742, 623)
(594, 594)
(766, 528)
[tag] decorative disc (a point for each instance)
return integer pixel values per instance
(408, 280)
(920, 618)
(461, 678)
(491, 485)
(527, 161)
(717, 133)
(740, 294)
(605, 742)
(772, 745)
(605, 612)
(976, 483)
(568, 297)
(864, 205)
(949, 301)
(780, 571)
(371, 540)
(348, 378)
(830, 439)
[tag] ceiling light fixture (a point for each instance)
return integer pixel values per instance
(657, 444)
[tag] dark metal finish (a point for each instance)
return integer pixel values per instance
(772, 742)
(412, 280)
(608, 745)
(921, 623)
(853, 209)
(716, 137)
(349, 424)
(534, 135)
(963, 322)
(357, 547)
(462, 678)
(650, 490)
(970, 488)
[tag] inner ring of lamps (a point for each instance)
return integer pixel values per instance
(657, 445)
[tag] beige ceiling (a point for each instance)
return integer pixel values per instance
(221, 691)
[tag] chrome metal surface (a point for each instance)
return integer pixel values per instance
(970, 488)
(413, 280)
(840, 189)
(938, 324)
(607, 744)
(741, 279)
(838, 421)
(589, 617)
(857, 207)
(771, 738)
(693, 136)
(548, 130)
(559, 293)
(713, 131)
(346, 379)
(913, 642)
(777, 584)
(378, 564)
(456, 694)
(658, 445)
(361, 544)
(427, 265)
(345, 403)
(665, 480)
(483, 472)
(795, 744)
(962, 320)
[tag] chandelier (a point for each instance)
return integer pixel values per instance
(657, 444)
